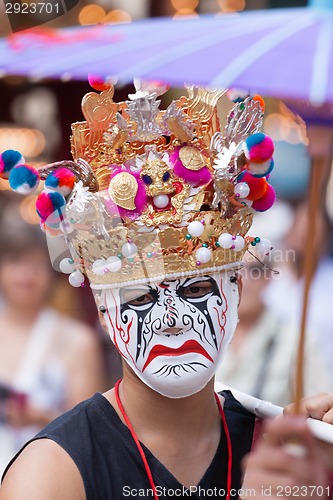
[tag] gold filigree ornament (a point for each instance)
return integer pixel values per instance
(192, 158)
(156, 192)
(122, 190)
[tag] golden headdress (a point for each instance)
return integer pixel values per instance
(157, 194)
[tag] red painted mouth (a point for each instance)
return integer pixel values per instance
(190, 346)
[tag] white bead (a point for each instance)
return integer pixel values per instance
(263, 248)
(238, 243)
(98, 267)
(67, 266)
(242, 189)
(195, 228)
(113, 264)
(76, 279)
(129, 250)
(203, 255)
(161, 200)
(225, 240)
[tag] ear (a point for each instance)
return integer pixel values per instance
(240, 286)
(98, 302)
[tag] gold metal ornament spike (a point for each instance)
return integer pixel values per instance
(192, 158)
(122, 190)
(202, 102)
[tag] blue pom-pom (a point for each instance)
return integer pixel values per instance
(8, 160)
(24, 179)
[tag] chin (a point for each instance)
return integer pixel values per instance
(177, 381)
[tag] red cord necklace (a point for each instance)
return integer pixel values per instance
(143, 456)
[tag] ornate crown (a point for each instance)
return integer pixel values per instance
(154, 194)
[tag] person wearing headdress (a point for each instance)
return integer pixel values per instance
(154, 211)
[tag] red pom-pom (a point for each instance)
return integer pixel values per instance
(266, 201)
(257, 185)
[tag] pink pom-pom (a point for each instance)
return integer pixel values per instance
(194, 177)
(61, 180)
(261, 169)
(98, 83)
(258, 148)
(266, 201)
(140, 199)
(49, 202)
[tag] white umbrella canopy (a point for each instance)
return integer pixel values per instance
(277, 52)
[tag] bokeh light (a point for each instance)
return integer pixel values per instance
(91, 14)
(185, 4)
(284, 128)
(117, 16)
(231, 5)
(27, 209)
(30, 142)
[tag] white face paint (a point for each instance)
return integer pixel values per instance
(173, 334)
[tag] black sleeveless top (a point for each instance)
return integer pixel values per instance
(110, 465)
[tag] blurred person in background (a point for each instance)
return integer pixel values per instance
(285, 296)
(48, 362)
(261, 359)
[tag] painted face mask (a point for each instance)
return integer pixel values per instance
(173, 334)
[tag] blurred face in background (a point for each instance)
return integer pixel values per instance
(25, 278)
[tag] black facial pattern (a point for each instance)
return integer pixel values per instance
(162, 295)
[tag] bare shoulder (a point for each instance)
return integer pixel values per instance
(76, 335)
(43, 471)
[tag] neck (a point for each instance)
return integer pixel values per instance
(149, 411)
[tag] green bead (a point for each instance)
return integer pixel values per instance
(257, 239)
(149, 254)
(241, 106)
(72, 221)
(120, 255)
(130, 259)
(188, 237)
(253, 243)
(205, 245)
(217, 244)
(70, 261)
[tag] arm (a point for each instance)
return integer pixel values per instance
(274, 469)
(43, 471)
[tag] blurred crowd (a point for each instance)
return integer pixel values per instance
(261, 359)
(49, 361)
